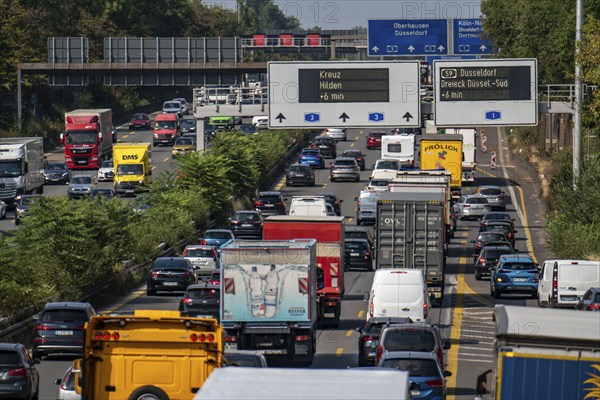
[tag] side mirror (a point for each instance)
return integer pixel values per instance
(57, 381)
(356, 199)
(61, 138)
(366, 297)
(447, 345)
(26, 167)
(36, 317)
(359, 330)
(447, 373)
(100, 137)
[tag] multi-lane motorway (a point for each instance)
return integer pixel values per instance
(465, 316)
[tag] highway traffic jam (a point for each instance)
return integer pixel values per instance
(390, 263)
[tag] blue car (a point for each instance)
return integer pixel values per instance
(312, 157)
(216, 237)
(427, 378)
(514, 273)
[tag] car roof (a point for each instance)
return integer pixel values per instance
(495, 247)
(10, 346)
(489, 187)
(410, 325)
(356, 240)
(66, 304)
(470, 196)
(499, 222)
(300, 165)
(517, 257)
(218, 230)
(345, 159)
(417, 355)
(269, 193)
(199, 247)
(391, 320)
(355, 228)
(211, 286)
(327, 194)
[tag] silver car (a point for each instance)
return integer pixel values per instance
(471, 206)
(202, 257)
(336, 133)
(66, 390)
(345, 168)
(80, 186)
(494, 196)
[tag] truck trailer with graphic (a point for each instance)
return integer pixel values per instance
(441, 151)
(469, 161)
(329, 234)
(268, 297)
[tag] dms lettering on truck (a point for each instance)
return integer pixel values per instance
(130, 157)
(263, 292)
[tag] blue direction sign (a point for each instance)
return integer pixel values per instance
(312, 117)
(408, 37)
(467, 37)
(376, 117)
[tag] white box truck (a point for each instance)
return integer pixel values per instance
(21, 164)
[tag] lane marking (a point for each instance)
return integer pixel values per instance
(352, 145)
(280, 184)
(526, 225)
(455, 329)
(478, 348)
(478, 355)
(349, 333)
(361, 313)
(339, 351)
(126, 136)
(350, 219)
(166, 159)
(153, 167)
(356, 138)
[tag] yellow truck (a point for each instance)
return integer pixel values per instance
(445, 152)
(152, 354)
(133, 173)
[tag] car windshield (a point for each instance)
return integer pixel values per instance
(495, 253)
(139, 117)
(205, 253)
(500, 228)
(356, 246)
(217, 235)
(171, 263)
(298, 169)
(502, 216)
(310, 152)
(491, 192)
(491, 237)
(247, 217)
(378, 182)
(9, 358)
(519, 266)
(187, 122)
(354, 154)
(64, 315)
(476, 200)
(172, 104)
(130, 169)
(409, 340)
(345, 163)
(269, 197)
(355, 235)
(387, 165)
(184, 142)
(27, 201)
(107, 164)
(203, 294)
(81, 137)
(55, 167)
(164, 125)
(82, 180)
(415, 367)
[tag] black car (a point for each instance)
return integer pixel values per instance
(170, 274)
(299, 174)
(187, 125)
(486, 237)
(590, 300)
(327, 145)
(334, 200)
(102, 192)
(369, 337)
(247, 129)
(358, 254)
(57, 172)
(501, 226)
(270, 203)
(246, 224)
(59, 328)
(357, 232)
(488, 258)
(19, 378)
(201, 299)
(358, 156)
(496, 216)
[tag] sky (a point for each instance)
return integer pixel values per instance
(347, 14)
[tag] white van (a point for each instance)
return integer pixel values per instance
(308, 206)
(573, 278)
(366, 207)
(260, 122)
(398, 147)
(399, 293)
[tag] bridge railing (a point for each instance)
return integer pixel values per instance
(231, 95)
(286, 42)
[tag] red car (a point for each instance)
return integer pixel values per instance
(374, 139)
(139, 121)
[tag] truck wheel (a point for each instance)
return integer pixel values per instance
(40, 190)
(148, 393)
(497, 294)
(150, 292)
(477, 276)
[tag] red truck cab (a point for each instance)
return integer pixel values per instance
(87, 138)
(166, 129)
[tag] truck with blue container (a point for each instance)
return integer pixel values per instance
(268, 297)
(546, 354)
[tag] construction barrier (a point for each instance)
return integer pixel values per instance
(493, 159)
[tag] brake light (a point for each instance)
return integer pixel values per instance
(184, 252)
(42, 327)
(435, 383)
(482, 261)
(17, 372)
(510, 235)
(203, 241)
(235, 222)
(155, 274)
(230, 339)
(279, 203)
(301, 338)
(378, 354)
(466, 206)
(258, 203)
(187, 274)
(367, 338)
(478, 245)
(187, 300)
(594, 307)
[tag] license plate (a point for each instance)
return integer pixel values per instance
(55, 180)
(269, 205)
(230, 346)
(520, 279)
(63, 333)
(415, 392)
(246, 225)
(170, 283)
(354, 254)
(130, 191)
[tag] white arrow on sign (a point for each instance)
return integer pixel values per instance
(441, 48)
(411, 48)
(375, 49)
(483, 47)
